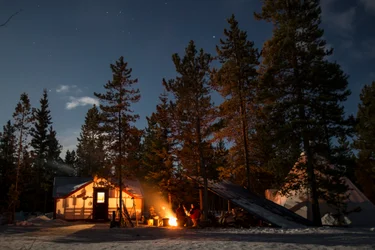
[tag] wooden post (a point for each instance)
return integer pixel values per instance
(229, 208)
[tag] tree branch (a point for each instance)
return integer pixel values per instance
(10, 18)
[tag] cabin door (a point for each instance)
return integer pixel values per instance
(100, 208)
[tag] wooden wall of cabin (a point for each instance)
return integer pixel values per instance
(79, 205)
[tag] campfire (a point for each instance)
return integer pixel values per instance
(171, 220)
(166, 218)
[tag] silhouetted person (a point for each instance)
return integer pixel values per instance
(181, 216)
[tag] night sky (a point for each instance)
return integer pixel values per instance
(67, 46)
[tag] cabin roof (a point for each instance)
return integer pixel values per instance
(131, 186)
(65, 185)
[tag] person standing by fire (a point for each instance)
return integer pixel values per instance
(181, 216)
(194, 214)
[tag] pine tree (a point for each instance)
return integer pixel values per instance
(158, 155)
(364, 141)
(39, 142)
(236, 82)
(8, 160)
(90, 148)
(117, 117)
(344, 158)
(300, 86)
(217, 159)
(51, 166)
(26, 185)
(54, 151)
(194, 112)
(22, 120)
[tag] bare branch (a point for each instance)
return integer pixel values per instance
(10, 18)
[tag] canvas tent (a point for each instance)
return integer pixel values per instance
(361, 209)
(94, 198)
(258, 206)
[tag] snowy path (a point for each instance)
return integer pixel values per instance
(100, 236)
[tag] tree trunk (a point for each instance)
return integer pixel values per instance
(203, 173)
(306, 144)
(310, 172)
(120, 167)
(18, 169)
(169, 193)
(45, 202)
(245, 142)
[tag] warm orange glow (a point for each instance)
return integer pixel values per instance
(173, 221)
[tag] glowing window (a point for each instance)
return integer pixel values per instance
(100, 197)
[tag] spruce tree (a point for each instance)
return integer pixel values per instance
(117, 117)
(54, 151)
(26, 185)
(90, 148)
(39, 143)
(194, 112)
(364, 142)
(8, 160)
(344, 157)
(300, 87)
(236, 83)
(158, 157)
(22, 119)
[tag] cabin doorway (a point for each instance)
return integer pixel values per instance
(100, 208)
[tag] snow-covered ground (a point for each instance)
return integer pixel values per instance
(56, 235)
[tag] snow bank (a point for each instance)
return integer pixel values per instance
(40, 218)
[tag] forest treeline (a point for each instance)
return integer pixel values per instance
(278, 101)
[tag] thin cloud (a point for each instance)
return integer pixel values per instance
(68, 88)
(369, 5)
(63, 89)
(81, 101)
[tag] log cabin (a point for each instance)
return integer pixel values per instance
(81, 198)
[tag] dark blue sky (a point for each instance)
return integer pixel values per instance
(67, 46)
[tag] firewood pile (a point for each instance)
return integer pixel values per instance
(239, 218)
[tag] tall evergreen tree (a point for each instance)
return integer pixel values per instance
(343, 156)
(117, 116)
(54, 151)
(194, 112)
(365, 143)
(22, 119)
(158, 157)
(236, 82)
(90, 148)
(8, 150)
(51, 167)
(301, 88)
(39, 143)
